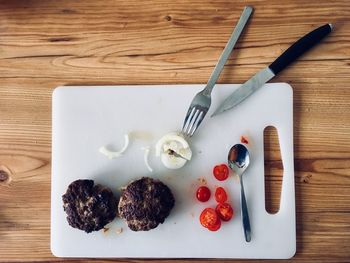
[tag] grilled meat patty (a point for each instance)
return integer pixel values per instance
(89, 207)
(145, 203)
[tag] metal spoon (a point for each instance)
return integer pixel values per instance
(238, 161)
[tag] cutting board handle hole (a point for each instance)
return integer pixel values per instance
(273, 170)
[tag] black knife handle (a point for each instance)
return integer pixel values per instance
(300, 47)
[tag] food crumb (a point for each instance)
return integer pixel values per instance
(244, 140)
(105, 229)
(192, 214)
(202, 180)
(119, 230)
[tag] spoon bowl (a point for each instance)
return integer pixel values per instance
(238, 158)
(238, 161)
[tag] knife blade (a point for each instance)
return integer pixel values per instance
(266, 74)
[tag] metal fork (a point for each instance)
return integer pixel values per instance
(201, 102)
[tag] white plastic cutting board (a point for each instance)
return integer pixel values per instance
(86, 118)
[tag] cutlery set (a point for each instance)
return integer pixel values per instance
(201, 102)
(238, 157)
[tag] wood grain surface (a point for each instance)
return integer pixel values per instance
(44, 44)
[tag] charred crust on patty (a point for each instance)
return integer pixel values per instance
(145, 203)
(89, 207)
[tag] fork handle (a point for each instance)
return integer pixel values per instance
(228, 49)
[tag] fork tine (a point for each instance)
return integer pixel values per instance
(197, 123)
(192, 121)
(188, 118)
(189, 121)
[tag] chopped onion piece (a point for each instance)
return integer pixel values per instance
(145, 158)
(115, 154)
(173, 150)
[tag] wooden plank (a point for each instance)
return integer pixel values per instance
(44, 44)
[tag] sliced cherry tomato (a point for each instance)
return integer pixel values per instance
(244, 140)
(209, 219)
(216, 226)
(203, 194)
(220, 195)
(221, 172)
(224, 211)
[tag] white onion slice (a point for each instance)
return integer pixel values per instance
(145, 158)
(115, 154)
(173, 150)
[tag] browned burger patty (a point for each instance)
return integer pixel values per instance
(145, 203)
(89, 207)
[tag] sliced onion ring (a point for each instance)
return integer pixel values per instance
(145, 158)
(114, 154)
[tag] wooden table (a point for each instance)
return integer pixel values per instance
(44, 44)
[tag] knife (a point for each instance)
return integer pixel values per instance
(266, 74)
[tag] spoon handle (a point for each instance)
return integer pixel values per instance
(245, 215)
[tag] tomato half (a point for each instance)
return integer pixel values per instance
(224, 211)
(216, 226)
(220, 195)
(209, 219)
(203, 194)
(221, 172)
